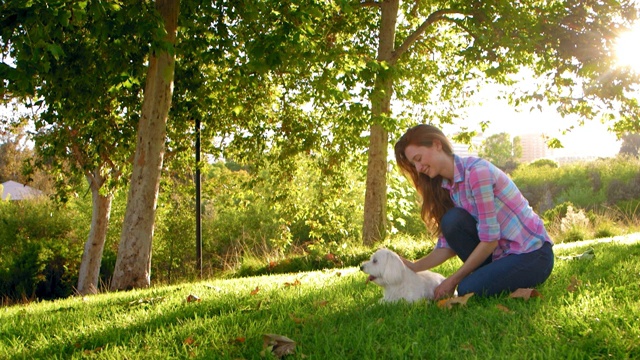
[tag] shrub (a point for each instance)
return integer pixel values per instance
(268, 212)
(573, 219)
(558, 212)
(588, 185)
(538, 185)
(403, 208)
(573, 234)
(603, 224)
(629, 209)
(574, 225)
(544, 162)
(40, 253)
(605, 231)
(583, 197)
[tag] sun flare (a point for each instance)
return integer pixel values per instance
(627, 49)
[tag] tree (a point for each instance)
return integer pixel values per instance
(499, 149)
(79, 66)
(630, 145)
(335, 56)
(250, 70)
(12, 154)
(255, 65)
(133, 265)
(445, 51)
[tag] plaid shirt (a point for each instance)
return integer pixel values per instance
(501, 211)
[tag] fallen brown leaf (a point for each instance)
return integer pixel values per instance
(469, 347)
(255, 291)
(574, 284)
(89, 352)
(189, 341)
(449, 302)
(296, 319)
(525, 294)
(278, 345)
(503, 308)
(321, 303)
(192, 298)
(295, 283)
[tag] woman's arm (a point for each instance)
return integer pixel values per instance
(435, 258)
(482, 251)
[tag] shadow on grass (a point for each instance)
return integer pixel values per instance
(340, 317)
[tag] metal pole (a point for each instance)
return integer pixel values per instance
(198, 207)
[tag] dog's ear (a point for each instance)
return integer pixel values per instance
(393, 268)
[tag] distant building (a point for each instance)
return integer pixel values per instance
(12, 190)
(468, 150)
(534, 147)
(565, 160)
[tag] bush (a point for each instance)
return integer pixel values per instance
(538, 185)
(543, 162)
(629, 209)
(587, 185)
(285, 219)
(266, 213)
(40, 253)
(573, 234)
(573, 219)
(583, 197)
(558, 212)
(606, 231)
(403, 208)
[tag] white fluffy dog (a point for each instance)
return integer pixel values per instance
(386, 269)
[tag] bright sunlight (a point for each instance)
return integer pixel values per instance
(627, 50)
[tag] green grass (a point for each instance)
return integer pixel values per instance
(335, 315)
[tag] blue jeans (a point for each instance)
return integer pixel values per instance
(493, 277)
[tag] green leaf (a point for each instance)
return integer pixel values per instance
(55, 50)
(8, 72)
(64, 17)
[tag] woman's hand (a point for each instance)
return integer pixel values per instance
(408, 264)
(479, 254)
(446, 288)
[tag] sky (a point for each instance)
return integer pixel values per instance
(592, 139)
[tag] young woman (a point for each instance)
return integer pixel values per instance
(480, 216)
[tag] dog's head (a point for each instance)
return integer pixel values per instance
(384, 267)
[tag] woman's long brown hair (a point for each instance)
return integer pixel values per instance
(435, 199)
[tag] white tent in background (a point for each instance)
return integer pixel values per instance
(16, 191)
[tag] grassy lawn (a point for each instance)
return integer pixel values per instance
(589, 309)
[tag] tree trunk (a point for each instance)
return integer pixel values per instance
(133, 264)
(92, 255)
(375, 203)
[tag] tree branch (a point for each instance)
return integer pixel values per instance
(435, 16)
(115, 170)
(414, 9)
